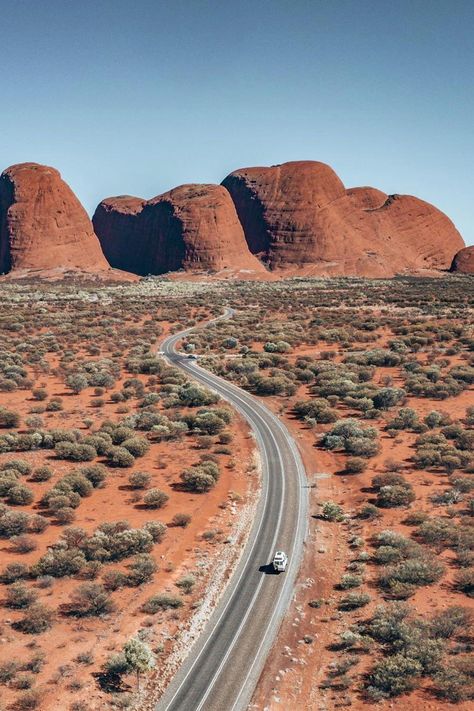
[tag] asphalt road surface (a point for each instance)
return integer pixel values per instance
(223, 666)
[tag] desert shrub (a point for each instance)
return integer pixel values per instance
(181, 519)
(19, 465)
(155, 499)
(91, 570)
(453, 681)
(465, 582)
(137, 446)
(331, 511)
(13, 523)
(406, 419)
(20, 596)
(139, 480)
(109, 542)
(352, 438)
(449, 622)
(25, 543)
(20, 495)
(393, 496)
(116, 665)
(415, 518)
(114, 579)
(350, 580)
(14, 571)
(100, 441)
(318, 410)
(31, 699)
(8, 480)
(75, 452)
(186, 583)
(60, 498)
(393, 676)
(37, 619)
(120, 457)
(353, 601)
(437, 531)
(156, 529)
(200, 478)
(86, 658)
(369, 512)
(141, 569)
(9, 418)
(8, 669)
(95, 473)
(90, 600)
(60, 562)
(417, 572)
(194, 395)
(65, 516)
(387, 623)
(76, 382)
(355, 465)
(161, 602)
(77, 483)
(42, 474)
(388, 397)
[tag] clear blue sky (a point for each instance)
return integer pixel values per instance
(137, 97)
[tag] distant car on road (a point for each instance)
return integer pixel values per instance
(280, 561)
(192, 356)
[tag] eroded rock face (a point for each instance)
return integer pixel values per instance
(299, 215)
(43, 225)
(194, 227)
(463, 261)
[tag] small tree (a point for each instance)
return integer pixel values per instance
(139, 657)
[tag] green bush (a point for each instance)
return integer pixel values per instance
(141, 569)
(355, 465)
(42, 474)
(20, 596)
(161, 602)
(331, 511)
(155, 499)
(350, 580)
(353, 601)
(75, 452)
(13, 572)
(139, 480)
(181, 519)
(418, 572)
(90, 600)
(37, 619)
(120, 457)
(394, 496)
(465, 582)
(19, 465)
(137, 446)
(9, 418)
(393, 676)
(156, 529)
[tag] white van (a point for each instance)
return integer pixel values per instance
(280, 561)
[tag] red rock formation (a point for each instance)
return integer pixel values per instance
(299, 216)
(194, 227)
(463, 261)
(43, 226)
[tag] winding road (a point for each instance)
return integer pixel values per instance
(223, 666)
